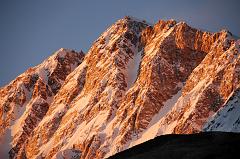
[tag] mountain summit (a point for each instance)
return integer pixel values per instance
(136, 82)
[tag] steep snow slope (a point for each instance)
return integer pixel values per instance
(152, 129)
(228, 118)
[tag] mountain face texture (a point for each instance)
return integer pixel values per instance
(136, 82)
(218, 145)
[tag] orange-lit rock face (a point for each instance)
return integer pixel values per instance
(25, 101)
(207, 88)
(137, 81)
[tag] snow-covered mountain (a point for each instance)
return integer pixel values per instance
(136, 82)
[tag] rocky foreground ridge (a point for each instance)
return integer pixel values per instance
(204, 145)
(136, 82)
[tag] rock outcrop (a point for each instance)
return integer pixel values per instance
(26, 100)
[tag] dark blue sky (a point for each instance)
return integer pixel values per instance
(31, 30)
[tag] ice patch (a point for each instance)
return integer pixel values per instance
(132, 69)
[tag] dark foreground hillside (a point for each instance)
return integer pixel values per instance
(214, 145)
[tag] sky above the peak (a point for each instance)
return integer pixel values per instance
(30, 31)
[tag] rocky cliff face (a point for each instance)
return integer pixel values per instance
(26, 100)
(227, 118)
(136, 82)
(207, 88)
